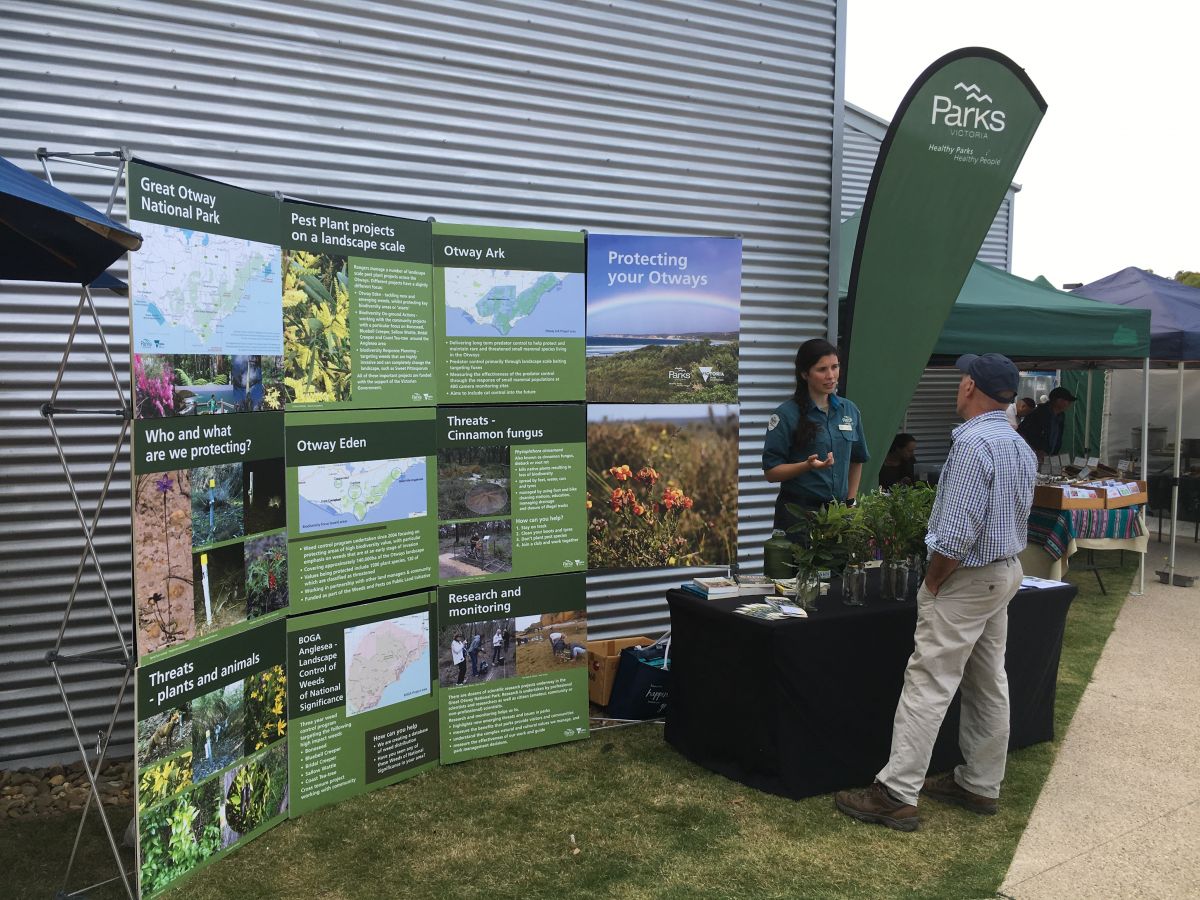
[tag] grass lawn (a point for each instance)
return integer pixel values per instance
(620, 815)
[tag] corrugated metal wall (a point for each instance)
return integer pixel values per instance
(678, 116)
(930, 416)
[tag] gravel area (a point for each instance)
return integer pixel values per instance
(54, 791)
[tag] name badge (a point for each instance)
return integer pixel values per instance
(845, 428)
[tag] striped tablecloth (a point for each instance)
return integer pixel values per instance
(1053, 529)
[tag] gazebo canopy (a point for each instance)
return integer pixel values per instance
(1175, 308)
(997, 312)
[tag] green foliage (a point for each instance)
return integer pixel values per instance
(256, 792)
(316, 327)
(643, 373)
(1191, 279)
(164, 780)
(836, 536)
(177, 836)
(266, 708)
(266, 576)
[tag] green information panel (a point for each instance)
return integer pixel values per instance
(509, 314)
(212, 767)
(361, 505)
(364, 701)
(357, 309)
(512, 663)
(511, 491)
(209, 513)
(206, 320)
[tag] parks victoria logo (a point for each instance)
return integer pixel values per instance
(968, 115)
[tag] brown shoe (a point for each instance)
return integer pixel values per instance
(875, 804)
(945, 789)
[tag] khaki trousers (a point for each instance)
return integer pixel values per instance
(960, 640)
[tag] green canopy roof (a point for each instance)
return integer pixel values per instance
(997, 312)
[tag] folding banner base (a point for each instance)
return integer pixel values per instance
(120, 654)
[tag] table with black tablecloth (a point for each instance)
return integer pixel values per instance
(804, 706)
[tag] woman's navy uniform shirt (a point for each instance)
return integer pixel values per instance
(840, 432)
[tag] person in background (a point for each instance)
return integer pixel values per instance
(1043, 428)
(458, 658)
(815, 446)
(497, 643)
(473, 653)
(1017, 412)
(978, 526)
(900, 464)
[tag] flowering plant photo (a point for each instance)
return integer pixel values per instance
(662, 486)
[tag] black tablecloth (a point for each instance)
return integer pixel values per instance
(804, 706)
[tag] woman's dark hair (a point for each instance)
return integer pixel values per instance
(809, 354)
(901, 440)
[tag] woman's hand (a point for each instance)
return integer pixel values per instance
(815, 462)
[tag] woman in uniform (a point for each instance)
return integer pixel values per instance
(815, 445)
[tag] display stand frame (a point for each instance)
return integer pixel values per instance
(120, 655)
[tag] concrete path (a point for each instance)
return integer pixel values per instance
(1119, 816)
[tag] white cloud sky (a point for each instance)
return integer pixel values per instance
(1111, 178)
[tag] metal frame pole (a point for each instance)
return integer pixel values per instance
(1175, 477)
(1145, 459)
(122, 654)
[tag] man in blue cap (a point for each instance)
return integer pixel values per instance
(977, 528)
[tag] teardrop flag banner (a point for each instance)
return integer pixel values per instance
(945, 165)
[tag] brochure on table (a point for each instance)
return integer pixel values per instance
(363, 708)
(512, 664)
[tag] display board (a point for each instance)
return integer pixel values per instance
(512, 664)
(362, 520)
(212, 767)
(663, 315)
(357, 309)
(364, 701)
(662, 485)
(205, 291)
(511, 491)
(209, 547)
(509, 312)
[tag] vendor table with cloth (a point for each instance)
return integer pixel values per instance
(800, 707)
(1057, 534)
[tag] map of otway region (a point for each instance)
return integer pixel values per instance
(202, 293)
(388, 662)
(507, 302)
(339, 495)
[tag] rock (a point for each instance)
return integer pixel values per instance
(29, 790)
(57, 780)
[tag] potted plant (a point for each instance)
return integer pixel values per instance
(907, 513)
(827, 546)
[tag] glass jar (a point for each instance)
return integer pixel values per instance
(808, 589)
(854, 585)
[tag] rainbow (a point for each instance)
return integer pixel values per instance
(666, 297)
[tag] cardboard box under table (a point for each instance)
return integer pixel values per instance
(603, 659)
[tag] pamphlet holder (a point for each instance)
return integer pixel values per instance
(121, 654)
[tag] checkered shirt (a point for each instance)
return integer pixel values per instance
(981, 513)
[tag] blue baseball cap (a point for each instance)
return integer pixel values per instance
(993, 373)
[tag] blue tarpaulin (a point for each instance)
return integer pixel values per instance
(1174, 310)
(48, 235)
